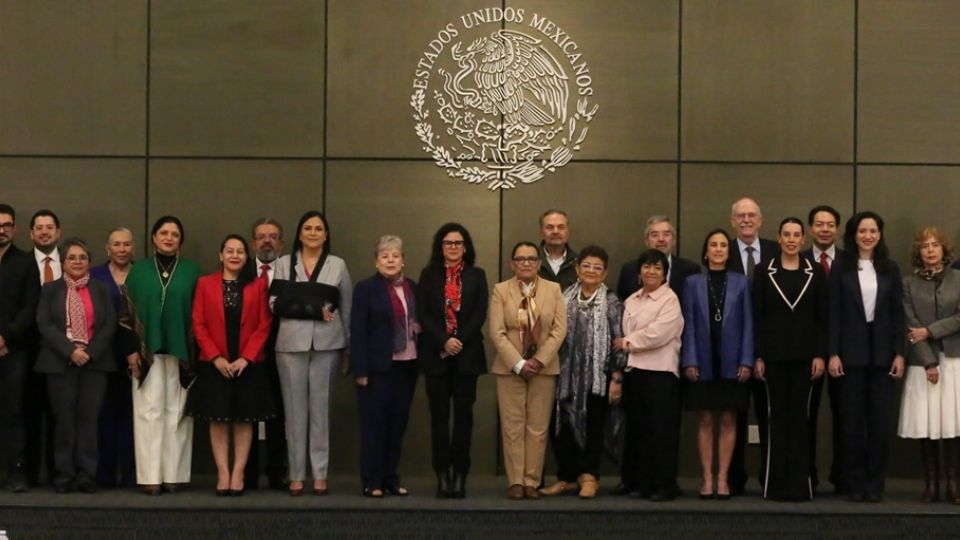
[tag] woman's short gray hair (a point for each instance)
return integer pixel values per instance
(73, 241)
(388, 241)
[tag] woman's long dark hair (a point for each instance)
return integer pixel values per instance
(851, 253)
(249, 271)
(436, 251)
(706, 243)
(310, 214)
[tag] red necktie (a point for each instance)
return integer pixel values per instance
(47, 270)
(824, 262)
(265, 272)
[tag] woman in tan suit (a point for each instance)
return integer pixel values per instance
(528, 322)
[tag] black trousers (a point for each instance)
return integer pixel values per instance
(574, 460)
(115, 462)
(13, 377)
(39, 424)
(384, 409)
(836, 471)
(650, 401)
(76, 398)
(788, 450)
(737, 475)
(451, 446)
(275, 457)
(866, 400)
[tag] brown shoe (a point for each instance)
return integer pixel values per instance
(588, 486)
(531, 492)
(151, 489)
(558, 488)
(515, 492)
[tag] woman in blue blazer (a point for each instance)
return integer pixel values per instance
(383, 341)
(866, 332)
(717, 356)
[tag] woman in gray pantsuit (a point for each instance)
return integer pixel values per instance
(309, 349)
(76, 320)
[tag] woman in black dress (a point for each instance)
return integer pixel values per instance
(790, 301)
(717, 356)
(231, 322)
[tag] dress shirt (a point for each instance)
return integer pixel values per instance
(757, 256)
(272, 264)
(830, 251)
(54, 263)
(652, 324)
(556, 263)
(410, 353)
(867, 275)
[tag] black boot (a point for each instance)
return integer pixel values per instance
(459, 488)
(444, 487)
(950, 449)
(930, 451)
(17, 482)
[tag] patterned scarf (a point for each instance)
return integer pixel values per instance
(127, 318)
(529, 317)
(405, 325)
(76, 316)
(932, 274)
(452, 291)
(598, 349)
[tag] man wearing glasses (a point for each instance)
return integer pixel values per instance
(19, 295)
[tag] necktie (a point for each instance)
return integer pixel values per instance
(47, 270)
(751, 264)
(265, 272)
(824, 262)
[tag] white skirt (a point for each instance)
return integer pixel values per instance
(931, 411)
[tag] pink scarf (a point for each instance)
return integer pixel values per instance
(76, 316)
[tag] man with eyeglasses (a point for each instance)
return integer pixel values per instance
(19, 295)
(559, 259)
(267, 247)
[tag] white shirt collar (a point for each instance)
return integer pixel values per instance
(40, 256)
(830, 251)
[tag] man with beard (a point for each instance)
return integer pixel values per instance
(267, 247)
(19, 294)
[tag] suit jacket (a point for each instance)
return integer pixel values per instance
(680, 270)
(785, 332)
(736, 340)
(209, 323)
(850, 335)
(55, 348)
(938, 310)
(504, 326)
(808, 254)
(567, 275)
(371, 327)
(303, 335)
(768, 250)
(19, 294)
(431, 311)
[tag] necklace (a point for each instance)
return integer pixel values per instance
(164, 279)
(166, 271)
(718, 312)
(584, 302)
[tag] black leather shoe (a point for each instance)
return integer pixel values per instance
(459, 488)
(444, 485)
(855, 497)
(62, 483)
(622, 489)
(18, 483)
(86, 484)
(874, 497)
(662, 495)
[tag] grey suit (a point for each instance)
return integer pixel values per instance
(937, 309)
(307, 355)
(76, 393)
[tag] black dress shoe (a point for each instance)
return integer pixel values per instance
(855, 497)
(86, 484)
(662, 495)
(62, 484)
(459, 488)
(874, 497)
(221, 492)
(622, 489)
(444, 485)
(18, 481)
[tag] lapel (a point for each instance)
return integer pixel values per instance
(217, 297)
(772, 269)
(734, 260)
(858, 293)
(513, 292)
(883, 284)
(728, 297)
(60, 299)
(703, 307)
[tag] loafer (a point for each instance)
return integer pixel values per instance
(588, 486)
(530, 492)
(515, 492)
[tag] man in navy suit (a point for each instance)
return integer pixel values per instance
(747, 254)
(824, 224)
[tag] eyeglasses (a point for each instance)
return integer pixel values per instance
(452, 243)
(7, 226)
(80, 258)
(592, 267)
(526, 260)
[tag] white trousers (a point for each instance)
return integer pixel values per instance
(306, 382)
(162, 435)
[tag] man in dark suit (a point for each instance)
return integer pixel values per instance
(660, 235)
(559, 259)
(746, 254)
(824, 222)
(267, 246)
(19, 295)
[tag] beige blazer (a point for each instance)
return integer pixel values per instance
(504, 327)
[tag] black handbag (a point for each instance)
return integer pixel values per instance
(303, 299)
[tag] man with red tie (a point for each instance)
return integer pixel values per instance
(824, 222)
(38, 418)
(267, 246)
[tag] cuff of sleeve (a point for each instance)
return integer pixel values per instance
(518, 366)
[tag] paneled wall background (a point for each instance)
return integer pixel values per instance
(114, 112)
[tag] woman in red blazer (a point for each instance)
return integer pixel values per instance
(231, 323)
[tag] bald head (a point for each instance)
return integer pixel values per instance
(746, 219)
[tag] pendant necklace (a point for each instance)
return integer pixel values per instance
(718, 313)
(165, 272)
(164, 278)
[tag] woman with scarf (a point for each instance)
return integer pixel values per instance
(161, 288)
(77, 321)
(591, 375)
(528, 322)
(383, 341)
(452, 300)
(931, 394)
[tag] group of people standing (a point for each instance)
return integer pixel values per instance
(131, 353)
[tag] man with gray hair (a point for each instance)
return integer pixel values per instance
(659, 234)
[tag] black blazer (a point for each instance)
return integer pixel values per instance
(680, 270)
(19, 294)
(55, 348)
(768, 250)
(784, 333)
(848, 329)
(431, 307)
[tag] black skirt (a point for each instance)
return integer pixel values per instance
(247, 398)
(722, 395)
